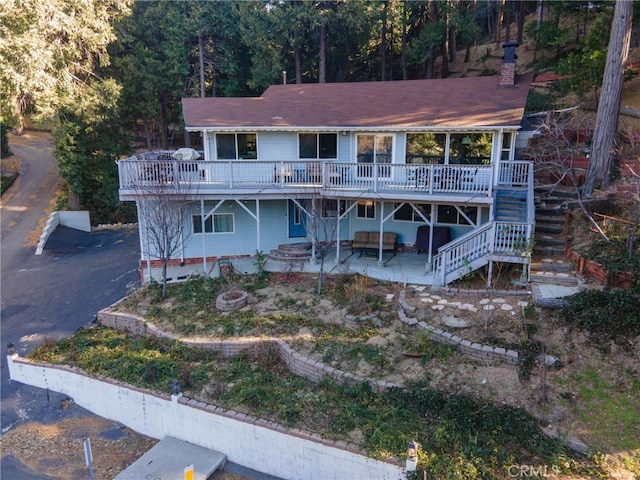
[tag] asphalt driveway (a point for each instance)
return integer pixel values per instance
(50, 296)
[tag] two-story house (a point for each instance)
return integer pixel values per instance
(431, 161)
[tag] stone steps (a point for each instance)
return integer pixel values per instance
(291, 253)
(556, 278)
(549, 265)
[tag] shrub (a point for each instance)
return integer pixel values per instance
(612, 314)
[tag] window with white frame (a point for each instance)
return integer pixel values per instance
(366, 209)
(407, 213)
(505, 152)
(216, 223)
(318, 145)
(236, 146)
(457, 216)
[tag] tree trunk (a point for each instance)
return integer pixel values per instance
(147, 134)
(433, 17)
(521, 18)
(322, 66)
(405, 73)
(467, 54)
(297, 58)
(609, 103)
(445, 45)
(453, 46)
(201, 55)
(383, 43)
(214, 84)
(164, 127)
(499, 17)
(164, 279)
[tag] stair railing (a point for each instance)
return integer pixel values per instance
(472, 250)
(459, 257)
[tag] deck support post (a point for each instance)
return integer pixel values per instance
(490, 274)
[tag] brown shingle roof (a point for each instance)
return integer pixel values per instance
(453, 102)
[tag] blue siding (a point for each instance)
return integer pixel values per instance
(406, 230)
(273, 216)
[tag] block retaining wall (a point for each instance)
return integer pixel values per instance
(298, 363)
(473, 349)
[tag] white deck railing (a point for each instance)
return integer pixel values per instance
(159, 169)
(471, 251)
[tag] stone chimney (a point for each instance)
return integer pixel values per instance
(508, 71)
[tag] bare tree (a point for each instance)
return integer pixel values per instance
(163, 211)
(321, 224)
(557, 151)
(609, 104)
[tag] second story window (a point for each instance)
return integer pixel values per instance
(236, 146)
(318, 145)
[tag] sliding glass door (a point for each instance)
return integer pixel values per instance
(375, 152)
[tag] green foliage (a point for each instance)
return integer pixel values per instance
(423, 343)
(260, 261)
(613, 255)
(5, 151)
(539, 102)
(50, 50)
(606, 314)
(584, 65)
(88, 140)
(144, 361)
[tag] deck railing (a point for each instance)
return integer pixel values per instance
(471, 251)
(154, 169)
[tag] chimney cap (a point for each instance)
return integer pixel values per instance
(510, 51)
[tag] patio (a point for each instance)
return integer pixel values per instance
(404, 267)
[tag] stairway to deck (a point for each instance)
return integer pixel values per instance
(510, 205)
(549, 263)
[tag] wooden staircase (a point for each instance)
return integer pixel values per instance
(510, 205)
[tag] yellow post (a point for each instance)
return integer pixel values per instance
(188, 473)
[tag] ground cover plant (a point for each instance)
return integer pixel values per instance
(461, 437)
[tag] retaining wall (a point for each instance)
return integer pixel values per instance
(255, 443)
(78, 219)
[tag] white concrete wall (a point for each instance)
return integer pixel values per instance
(78, 220)
(254, 443)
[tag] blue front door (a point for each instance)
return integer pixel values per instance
(296, 221)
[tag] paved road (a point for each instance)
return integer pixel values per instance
(52, 295)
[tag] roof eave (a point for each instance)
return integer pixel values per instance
(348, 128)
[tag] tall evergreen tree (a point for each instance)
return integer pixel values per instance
(49, 52)
(609, 104)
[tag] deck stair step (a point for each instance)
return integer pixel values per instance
(510, 205)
